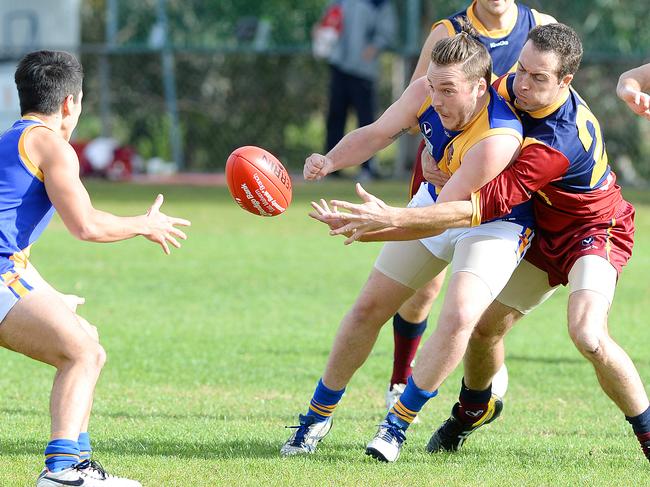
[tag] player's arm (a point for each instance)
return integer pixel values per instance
(633, 88)
(60, 166)
(536, 166)
(373, 220)
(482, 163)
(361, 144)
(437, 33)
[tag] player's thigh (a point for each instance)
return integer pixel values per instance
(527, 288)
(409, 263)
(491, 258)
(418, 306)
(39, 325)
(593, 273)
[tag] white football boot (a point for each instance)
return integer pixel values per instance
(387, 443)
(85, 474)
(306, 437)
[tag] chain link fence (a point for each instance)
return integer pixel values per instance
(227, 74)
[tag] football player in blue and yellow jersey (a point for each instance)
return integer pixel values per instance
(475, 134)
(39, 175)
(502, 26)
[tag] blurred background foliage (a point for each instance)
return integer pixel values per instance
(244, 74)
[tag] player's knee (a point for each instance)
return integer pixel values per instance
(364, 311)
(588, 340)
(93, 332)
(89, 353)
(460, 317)
(484, 334)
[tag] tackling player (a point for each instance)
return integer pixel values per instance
(40, 175)
(502, 26)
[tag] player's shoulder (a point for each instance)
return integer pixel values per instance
(542, 18)
(45, 147)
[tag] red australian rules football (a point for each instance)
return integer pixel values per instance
(258, 182)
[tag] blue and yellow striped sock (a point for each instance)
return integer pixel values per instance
(61, 454)
(324, 401)
(409, 404)
(85, 451)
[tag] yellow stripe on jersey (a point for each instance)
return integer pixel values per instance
(21, 259)
(546, 198)
(502, 89)
(425, 105)
(476, 209)
(546, 111)
(608, 243)
(31, 167)
(448, 25)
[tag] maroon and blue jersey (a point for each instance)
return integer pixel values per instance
(563, 167)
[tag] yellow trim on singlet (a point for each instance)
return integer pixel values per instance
(546, 111)
(31, 167)
(425, 106)
(494, 34)
(448, 25)
(475, 198)
(21, 258)
(502, 89)
(608, 242)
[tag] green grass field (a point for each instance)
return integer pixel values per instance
(212, 351)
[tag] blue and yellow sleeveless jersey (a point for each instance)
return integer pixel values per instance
(448, 147)
(25, 209)
(504, 45)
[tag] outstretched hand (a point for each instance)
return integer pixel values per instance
(637, 101)
(162, 228)
(371, 215)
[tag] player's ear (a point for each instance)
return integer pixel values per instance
(66, 106)
(566, 81)
(482, 86)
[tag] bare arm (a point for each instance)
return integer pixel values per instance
(363, 143)
(634, 87)
(60, 166)
(373, 220)
(480, 165)
(436, 34)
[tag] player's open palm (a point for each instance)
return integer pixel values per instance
(162, 228)
(372, 215)
(316, 167)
